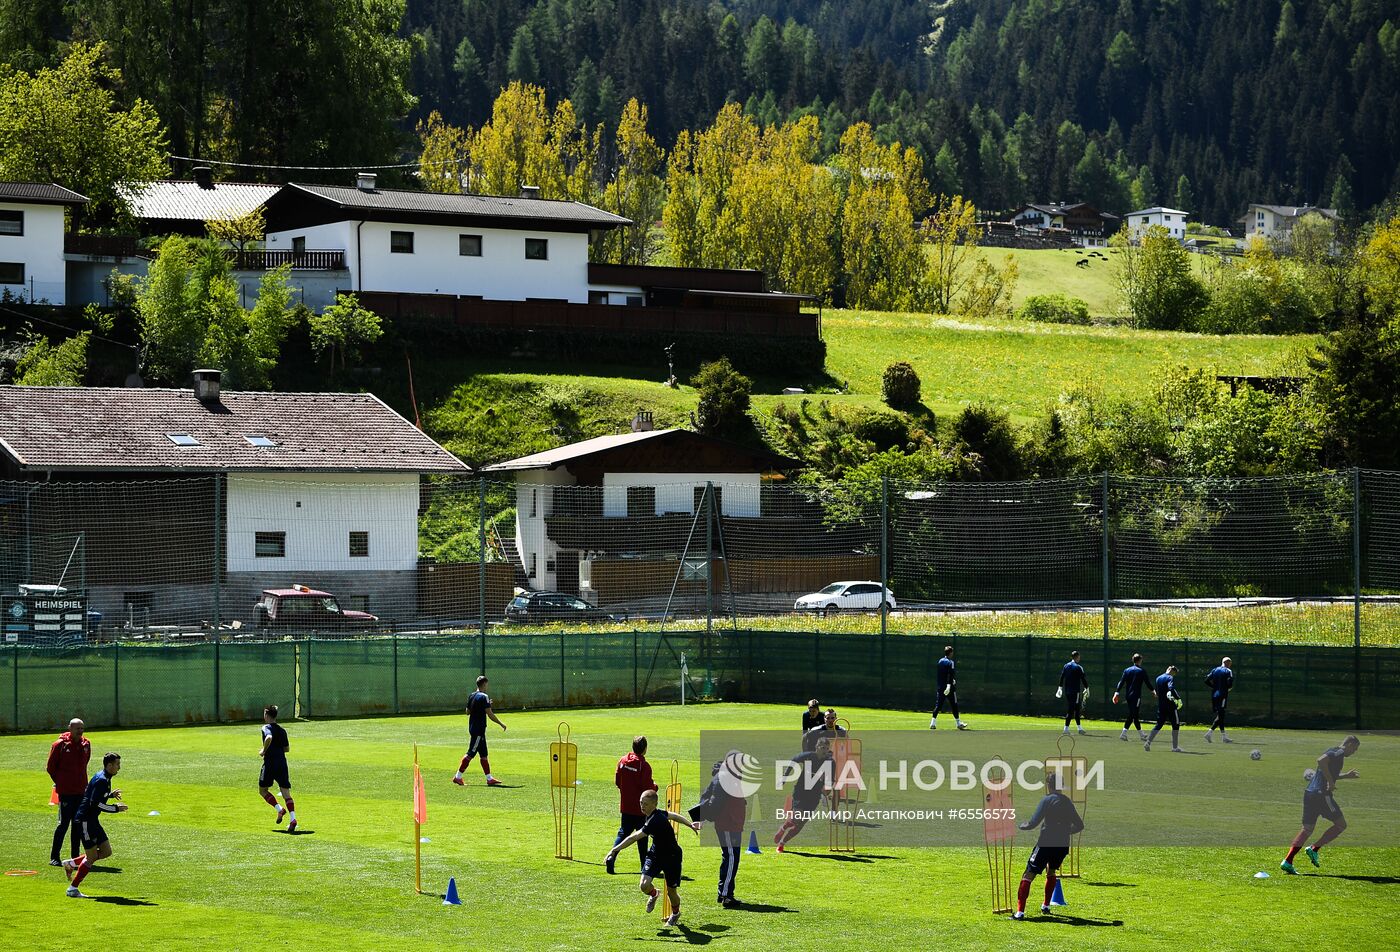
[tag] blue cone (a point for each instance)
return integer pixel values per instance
(753, 843)
(1058, 897)
(451, 898)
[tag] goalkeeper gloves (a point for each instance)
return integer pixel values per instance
(947, 689)
(1115, 697)
(1086, 694)
(1177, 701)
(1060, 692)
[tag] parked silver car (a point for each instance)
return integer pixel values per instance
(845, 597)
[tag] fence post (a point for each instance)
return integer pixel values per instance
(884, 573)
(711, 517)
(116, 684)
(218, 560)
(396, 673)
(563, 691)
(1271, 682)
(307, 712)
(1356, 580)
(1105, 700)
(15, 673)
(481, 562)
(636, 694)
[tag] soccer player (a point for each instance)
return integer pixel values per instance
(1318, 801)
(1220, 681)
(1061, 821)
(67, 767)
(632, 779)
(947, 691)
(828, 729)
(1129, 689)
(95, 802)
(1074, 688)
(727, 812)
(478, 710)
(274, 767)
(663, 859)
(1168, 708)
(812, 717)
(807, 793)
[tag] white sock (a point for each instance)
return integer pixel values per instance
(490, 776)
(292, 814)
(459, 776)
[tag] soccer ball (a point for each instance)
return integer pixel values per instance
(1256, 754)
(1308, 774)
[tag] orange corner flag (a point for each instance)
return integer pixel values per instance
(420, 797)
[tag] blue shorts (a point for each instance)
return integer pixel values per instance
(92, 833)
(667, 865)
(1046, 857)
(274, 774)
(477, 746)
(1320, 805)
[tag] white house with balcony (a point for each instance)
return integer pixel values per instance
(32, 267)
(1172, 219)
(1275, 222)
(501, 248)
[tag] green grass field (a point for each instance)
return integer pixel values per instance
(212, 871)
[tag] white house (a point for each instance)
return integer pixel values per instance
(32, 267)
(1172, 219)
(172, 497)
(585, 501)
(499, 248)
(1275, 222)
(1087, 227)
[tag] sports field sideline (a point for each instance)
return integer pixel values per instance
(212, 870)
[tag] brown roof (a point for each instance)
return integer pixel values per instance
(39, 193)
(76, 429)
(169, 200)
(603, 445)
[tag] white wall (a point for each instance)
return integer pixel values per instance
(534, 499)
(675, 492)
(1176, 227)
(318, 511)
(618, 293)
(501, 273)
(40, 250)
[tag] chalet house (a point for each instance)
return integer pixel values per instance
(1275, 222)
(1172, 219)
(31, 241)
(160, 504)
(623, 522)
(1082, 223)
(181, 207)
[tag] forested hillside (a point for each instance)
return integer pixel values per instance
(1205, 103)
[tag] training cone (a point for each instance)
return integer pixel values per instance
(451, 898)
(53, 797)
(1058, 897)
(753, 843)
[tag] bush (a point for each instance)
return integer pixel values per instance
(1054, 309)
(724, 400)
(989, 434)
(882, 428)
(901, 386)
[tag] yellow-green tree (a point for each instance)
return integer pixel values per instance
(636, 191)
(525, 143)
(950, 237)
(444, 157)
(881, 258)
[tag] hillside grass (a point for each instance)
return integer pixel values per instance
(1058, 272)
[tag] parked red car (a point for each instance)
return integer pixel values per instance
(307, 609)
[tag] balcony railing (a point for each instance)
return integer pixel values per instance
(105, 246)
(262, 260)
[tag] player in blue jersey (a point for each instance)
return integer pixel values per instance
(1319, 802)
(95, 803)
(1061, 822)
(274, 767)
(1074, 688)
(947, 691)
(1220, 681)
(664, 856)
(478, 710)
(1168, 708)
(1129, 690)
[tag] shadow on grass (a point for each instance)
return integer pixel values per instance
(296, 832)
(694, 935)
(122, 901)
(842, 857)
(1085, 882)
(1360, 878)
(759, 907)
(104, 869)
(1061, 919)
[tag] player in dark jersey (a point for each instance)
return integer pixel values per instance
(95, 803)
(816, 768)
(1168, 708)
(1129, 690)
(663, 857)
(812, 717)
(828, 729)
(1060, 821)
(1319, 802)
(1220, 681)
(478, 710)
(274, 767)
(947, 691)
(1074, 688)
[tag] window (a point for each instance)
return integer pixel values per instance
(469, 246)
(597, 297)
(261, 442)
(299, 245)
(534, 504)
(11, 222)
(401, 242)
(641, 501)
(11, 272)
(537, 249)
(534, 563)
(359, 545)
(270, 545)
(182, 439)
(634, 300)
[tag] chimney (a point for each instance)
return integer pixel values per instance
(206, 385)
(529, 191)
(641, 423)
(204, 176)
(364, 181)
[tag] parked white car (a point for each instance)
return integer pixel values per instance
(845, 597)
